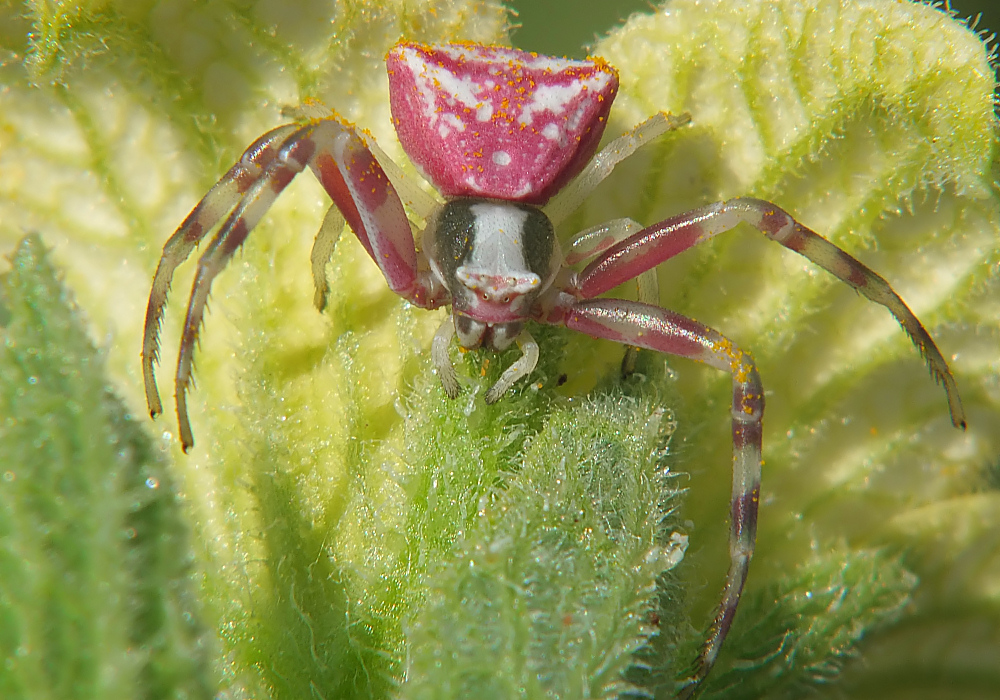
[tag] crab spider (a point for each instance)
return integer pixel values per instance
(510, 140)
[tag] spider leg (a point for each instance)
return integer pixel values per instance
(359, 187)
(362, 194)
(522, 367)
(322, 250)
(605, 160)
(662, 241)
(596, 240)
(290, 160)
(651, 327)
(207, 213)
(439, 355)
(648, 292)
(421, 203)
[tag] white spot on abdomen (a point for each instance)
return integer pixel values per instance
(501, 158)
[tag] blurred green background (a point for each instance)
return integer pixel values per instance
(580, 22)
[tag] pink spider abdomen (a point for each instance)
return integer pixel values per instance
(486, 121)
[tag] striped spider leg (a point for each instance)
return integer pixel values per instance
(648, 326)
(361, 193)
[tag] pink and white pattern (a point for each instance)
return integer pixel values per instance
(484, 121)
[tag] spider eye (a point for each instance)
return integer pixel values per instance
(506, 299)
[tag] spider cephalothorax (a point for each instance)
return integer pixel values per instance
(510, 140)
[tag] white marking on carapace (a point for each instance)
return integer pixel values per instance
(498, 251)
